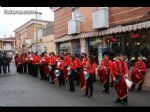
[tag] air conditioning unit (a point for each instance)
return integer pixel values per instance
(73, 27)
(100, 18)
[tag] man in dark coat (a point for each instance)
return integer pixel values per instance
(1, 61)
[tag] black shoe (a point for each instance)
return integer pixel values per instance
(103, 91)
(52, 82)
(139, 90)
(72, 90)
(90, 96)
(117, 101)
(124, 103)
(85, 95)
(131, 89)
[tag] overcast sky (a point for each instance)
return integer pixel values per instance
(9, 22)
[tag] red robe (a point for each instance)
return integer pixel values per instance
(115, 71)
(140, 65)
(102, 73)
(136, 75)
(73, 65)
(84, 61)
(120, 84)
(52, 61)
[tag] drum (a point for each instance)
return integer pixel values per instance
(102, 74)
(121, 87)
(136, 76)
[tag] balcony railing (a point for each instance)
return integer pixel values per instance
(8, 48)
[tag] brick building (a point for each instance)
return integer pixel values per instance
(26, 35)
(7, 44)
(104, 28)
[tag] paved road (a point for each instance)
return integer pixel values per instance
(24, 90)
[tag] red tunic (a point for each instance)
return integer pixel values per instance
(79, 63)
(84, 61)
(106, 63)
(118, 70)
(140, 65)
(66, 60)
(87, 64)
(46, 59)
(36, 59)
(61, 66)
(91, 69)
(52, 61)
(73, 65)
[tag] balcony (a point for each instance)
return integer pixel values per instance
(8, 48)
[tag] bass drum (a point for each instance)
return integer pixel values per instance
(102, 74)
(121, 88)
(136, 76)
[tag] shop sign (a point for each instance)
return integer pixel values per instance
(135, 35)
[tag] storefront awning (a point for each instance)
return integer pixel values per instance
(113, 30)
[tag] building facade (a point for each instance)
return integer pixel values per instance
(94, 30)
(31, 33)
(7, 44)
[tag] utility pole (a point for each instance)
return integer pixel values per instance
(36, 33)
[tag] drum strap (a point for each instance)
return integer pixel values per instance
(140, 65)
(123, 69)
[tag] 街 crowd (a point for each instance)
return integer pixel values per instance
(75, 70)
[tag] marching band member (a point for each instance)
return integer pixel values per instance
(90, 69)
(138, 73)
(84, 59)
(52, 63)
(35, 63)
(30, 58)
(104, 72)
(20, 63)
(46, 60)
(25, 63)
(60, 68)
(67, 59)
(41, 66)
(72, 67)
(119, 72)
(78, 69)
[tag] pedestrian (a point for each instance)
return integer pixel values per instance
(138, 73)
(4, 63)
(90, 69)
(71, 73)
(1, 61)
(119, 73)
(104, 72)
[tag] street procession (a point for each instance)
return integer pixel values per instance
(75, 56)
(65, 68)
